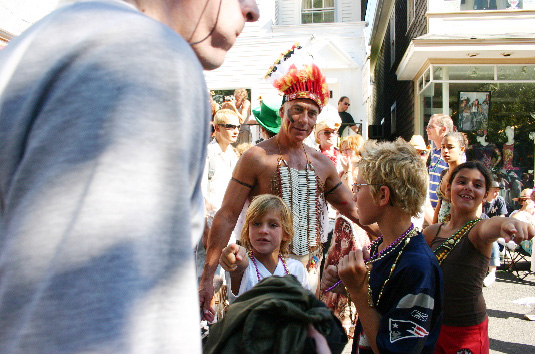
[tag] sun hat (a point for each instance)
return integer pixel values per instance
(419, 143)
(525, 194)
(327, 119)
(267, 115)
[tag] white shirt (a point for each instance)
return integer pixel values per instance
(217, 174)
(250, 278)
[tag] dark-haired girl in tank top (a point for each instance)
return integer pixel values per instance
(463, 246)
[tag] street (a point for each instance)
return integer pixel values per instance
(509, 331)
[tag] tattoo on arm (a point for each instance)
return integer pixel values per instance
(244, 184)
(333, 188)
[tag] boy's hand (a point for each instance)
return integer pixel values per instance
(354, 272)
(233, 258)
(329, 278)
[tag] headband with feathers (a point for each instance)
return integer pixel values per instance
(297, 76)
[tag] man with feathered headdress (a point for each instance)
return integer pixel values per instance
(303, 177)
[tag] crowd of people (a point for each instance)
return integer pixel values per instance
(404, 259)
(104, 196)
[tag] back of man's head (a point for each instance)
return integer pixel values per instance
(443, 120)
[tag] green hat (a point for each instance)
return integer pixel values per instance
(267, 115)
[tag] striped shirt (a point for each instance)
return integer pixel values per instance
(436, 167)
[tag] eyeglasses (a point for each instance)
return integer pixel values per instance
(328, 132)
(356, 186)
(229, 126)
(347, 104)
(430, 126)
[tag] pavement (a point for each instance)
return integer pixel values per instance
(509, 331)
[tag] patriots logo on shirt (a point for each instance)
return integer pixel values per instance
(419, 315)
(400, 329)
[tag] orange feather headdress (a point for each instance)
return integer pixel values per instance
(297, 76)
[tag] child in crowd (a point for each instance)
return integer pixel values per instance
(453, 147)
(493, 205)
(265, 240)
(396, 282)
(463, 247)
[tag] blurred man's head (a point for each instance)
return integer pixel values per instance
(209, 26)
(343, 104)
(439, 125)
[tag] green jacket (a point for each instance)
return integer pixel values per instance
(272, 318)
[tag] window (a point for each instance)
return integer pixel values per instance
(393, 118)
(392, 37)
(410, 12)
(317, 11)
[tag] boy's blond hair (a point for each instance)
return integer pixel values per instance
(397, 166)
(260, 206)
(222, 114)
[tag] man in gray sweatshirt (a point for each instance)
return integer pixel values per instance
(100, 198)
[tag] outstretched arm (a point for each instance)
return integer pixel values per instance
(487, 231)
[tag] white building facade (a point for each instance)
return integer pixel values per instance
(338, 48)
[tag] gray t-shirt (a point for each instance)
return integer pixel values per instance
(103, 136)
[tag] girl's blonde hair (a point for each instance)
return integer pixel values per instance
(260, 206)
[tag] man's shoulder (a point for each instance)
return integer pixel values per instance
(258, 156)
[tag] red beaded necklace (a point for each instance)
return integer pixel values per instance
(256, 265)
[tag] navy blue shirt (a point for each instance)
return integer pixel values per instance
(411, 303)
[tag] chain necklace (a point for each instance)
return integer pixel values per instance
(445, 248)
(374, 246)
(404, 239)
(256, 265)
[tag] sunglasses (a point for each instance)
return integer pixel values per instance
(229, 126)
(422, 152)
(327, 132)
(347, 104)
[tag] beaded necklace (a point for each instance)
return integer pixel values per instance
(256, 265)
(374, 248)
(403, 239)
(445, 248)
(306, 237)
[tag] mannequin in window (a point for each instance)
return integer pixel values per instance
(487, 153)
(484, 4)
(508, 149)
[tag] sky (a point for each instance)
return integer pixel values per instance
(370, 14)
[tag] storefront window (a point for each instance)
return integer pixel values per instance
(490, 4)
(497, 116)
